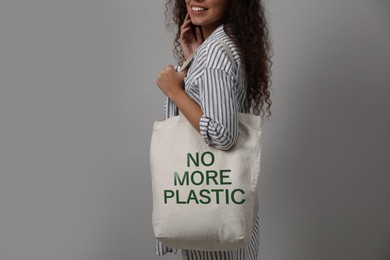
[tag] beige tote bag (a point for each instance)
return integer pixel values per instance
(204, 198)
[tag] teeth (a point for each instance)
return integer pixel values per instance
(198, 9)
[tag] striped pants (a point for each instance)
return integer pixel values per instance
(248, 253)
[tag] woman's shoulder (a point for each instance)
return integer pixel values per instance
(213, 42)
(220, 51)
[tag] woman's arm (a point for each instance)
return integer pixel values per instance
(219, 122)
(216, 119)
(171, 84)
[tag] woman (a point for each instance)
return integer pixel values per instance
(213, 90)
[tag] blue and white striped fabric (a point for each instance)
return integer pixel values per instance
(218, 87)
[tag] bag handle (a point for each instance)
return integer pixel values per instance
(229, 52)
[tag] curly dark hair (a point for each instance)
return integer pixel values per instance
(246, 24)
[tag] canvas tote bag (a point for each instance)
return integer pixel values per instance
(204, 198)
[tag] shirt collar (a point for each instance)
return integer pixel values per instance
(216, 31)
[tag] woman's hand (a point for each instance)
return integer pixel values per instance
(171, 82)
(188, 41)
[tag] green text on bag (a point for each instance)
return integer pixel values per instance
(205, 178)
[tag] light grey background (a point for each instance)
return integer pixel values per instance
(77, 103)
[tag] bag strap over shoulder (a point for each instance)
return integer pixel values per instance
(229, 52)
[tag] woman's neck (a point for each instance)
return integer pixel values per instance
(207, 30)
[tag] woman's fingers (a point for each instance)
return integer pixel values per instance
(186, 22)
(199, 37)
(187, 17)
(184, 33)
(189, 40)
(167, 70)
(170, 81)
(184, 29)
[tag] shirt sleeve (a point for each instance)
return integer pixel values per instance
(219, 122)
(162, 249)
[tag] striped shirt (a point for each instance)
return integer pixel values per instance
(218, 87)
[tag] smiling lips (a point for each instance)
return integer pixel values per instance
(198, 9)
